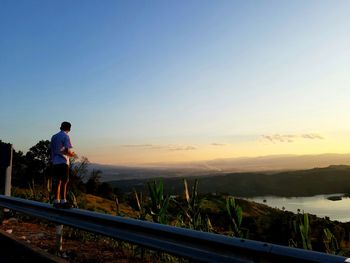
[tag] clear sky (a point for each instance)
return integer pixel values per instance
(168, 81)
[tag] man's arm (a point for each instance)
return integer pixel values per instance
(68, 147)
(68, 152)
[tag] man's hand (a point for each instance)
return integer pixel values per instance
(68, 152)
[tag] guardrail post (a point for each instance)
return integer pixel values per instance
(6, 155)
(59, 239)
(8, 177)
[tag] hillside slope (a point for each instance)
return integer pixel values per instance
(329, 180)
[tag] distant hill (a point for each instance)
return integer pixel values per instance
(265, 164)
(329, 180)
(280, 162)
(114, 172)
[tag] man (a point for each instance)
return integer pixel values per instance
(61, 151)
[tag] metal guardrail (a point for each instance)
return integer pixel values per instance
(195, 245)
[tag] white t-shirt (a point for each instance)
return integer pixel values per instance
(59, 142)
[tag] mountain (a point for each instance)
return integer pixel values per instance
(272, 163)
(328, 180)
(115, 172)
(280, 162)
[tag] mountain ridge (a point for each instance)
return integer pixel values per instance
(268, 163)
(327, 180)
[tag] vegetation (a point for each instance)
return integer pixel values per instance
(32, 171)
(235, 215)
(159, 203)
(303, 228)
(190, 207)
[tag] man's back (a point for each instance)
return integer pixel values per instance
(59, 143)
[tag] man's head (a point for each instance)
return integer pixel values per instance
(65, 126)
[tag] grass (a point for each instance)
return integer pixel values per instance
(264, 223)
(99, 204)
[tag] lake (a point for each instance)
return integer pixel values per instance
(318, 205)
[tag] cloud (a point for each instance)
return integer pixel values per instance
(312, 136)
(279, 138)
(137, 145)
(182, 148)
(289, 138)
(168, 147)
(218, 144)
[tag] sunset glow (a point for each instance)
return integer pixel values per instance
(149, 82)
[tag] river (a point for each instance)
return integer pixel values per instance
(318, 205)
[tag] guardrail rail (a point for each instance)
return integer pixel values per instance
(195, 245)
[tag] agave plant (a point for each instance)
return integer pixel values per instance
(159, 203)
(192, 211)
(235, 214)
(191, 215)
(302, 226)
(330, 242)
(305, 231)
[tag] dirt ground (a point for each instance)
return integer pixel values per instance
(43, 235)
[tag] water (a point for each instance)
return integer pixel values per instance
(318, 205)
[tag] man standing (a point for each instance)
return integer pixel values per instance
(61, 151)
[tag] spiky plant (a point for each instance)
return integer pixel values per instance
(302, 227)
(140, 205)
(192, 211)
(235, 214)
(305, 231)
(330, 242)
(159, 203)
(191, 215)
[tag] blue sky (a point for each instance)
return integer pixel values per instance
(149, 81)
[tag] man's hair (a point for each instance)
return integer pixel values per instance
(65, 126)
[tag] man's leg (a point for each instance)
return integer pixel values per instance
(58, 194)
(56, 186)
(56, 202)
(65, 181)
(65, 190)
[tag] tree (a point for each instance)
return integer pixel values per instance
(78, 173)
(93, 182)
(37, 162)
(19, 169)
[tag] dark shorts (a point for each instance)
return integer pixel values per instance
(60, 171)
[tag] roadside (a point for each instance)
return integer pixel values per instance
(42, 235)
